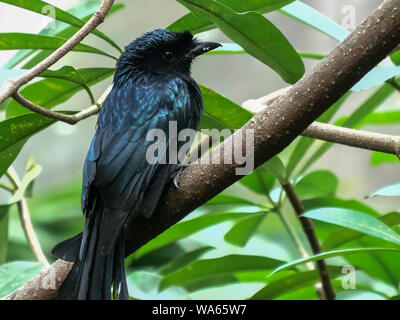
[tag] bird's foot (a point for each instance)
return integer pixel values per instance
(176, 173)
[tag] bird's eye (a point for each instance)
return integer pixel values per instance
(168, 56)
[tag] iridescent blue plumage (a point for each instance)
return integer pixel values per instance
(152, 87)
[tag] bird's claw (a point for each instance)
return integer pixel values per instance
(178, 169)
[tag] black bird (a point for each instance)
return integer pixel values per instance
(152, 86)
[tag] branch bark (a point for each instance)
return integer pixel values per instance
(308, 228)
(274, 128)
(9, 88)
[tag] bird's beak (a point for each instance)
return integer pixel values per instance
(203, 47)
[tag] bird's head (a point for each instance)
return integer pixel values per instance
(162, 52)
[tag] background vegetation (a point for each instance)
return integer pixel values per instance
(247, 241)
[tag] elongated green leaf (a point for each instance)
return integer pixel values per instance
(51, 92)
(198, 24)
(260, 181)
(378, 158)
(226, 112)
(308, 15)
(277, 168)
(243, 230)
(15, 132)
(343, 236)
(184, 260)
(379, 118)
(330, 254)
(186, 228)
(232, 48)
(373, 102)
(6, 74)
(355, 220)
(216, 267)
(255, 34)
(225, 199)
(305, 143)
(15, 274)
(389, 191)
(320, 183)
(376, 76)
(16, 41)
(84, 10)
(291, 283)
(71, 74)
(39, 6)
(395, 57)
(3, 233)
(32, 172)
(332, 202)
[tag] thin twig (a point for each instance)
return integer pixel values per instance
(26, 222)
(327, 132)
(70, 119)
(309, 231)
(9, 88)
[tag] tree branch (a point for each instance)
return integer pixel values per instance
(9, 88)
(274, 128)
(70, 119)
(308, 228)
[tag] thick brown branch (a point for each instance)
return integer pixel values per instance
(9, 88)
(277, 126)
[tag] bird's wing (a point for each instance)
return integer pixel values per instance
(116, 164)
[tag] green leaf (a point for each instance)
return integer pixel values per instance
(378, 158)
(3, 233)
(15, 132)
(255, 34)
(309, 16)
(376, 76)
(333, 202)
(320, 183)
(186, 228)
(51, 92)
(244, 229)
(16, 41)
(226, 112)
(71, 74)
(184, 260)
(389, 191)
(32, 172)
(292, 283)
(329, 254)
(84, 10)
(277, 168)
(233, 48)
(208, 268)
(355, 220)
(6, 74)
(373, 102)
(15, 274)
(38, 6)
(198, 24)
(260, 181)
(341, 237)
(379, 118)
(395, 57)
(305, 143)
(227, 199)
